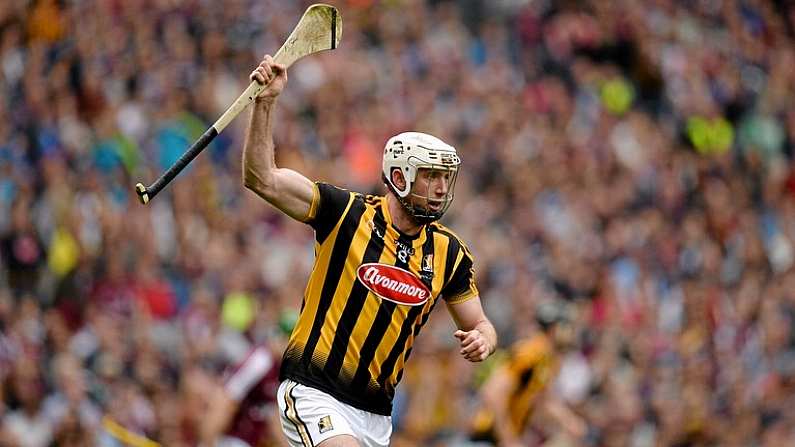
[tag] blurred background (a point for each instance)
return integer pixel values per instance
(632, 159)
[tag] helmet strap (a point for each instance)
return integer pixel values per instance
(419, 215)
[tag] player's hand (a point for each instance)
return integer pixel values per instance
(474, 346)
(271, 74)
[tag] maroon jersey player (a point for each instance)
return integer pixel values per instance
(241, 409)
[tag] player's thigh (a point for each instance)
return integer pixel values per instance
(340, 441)
(310, 418)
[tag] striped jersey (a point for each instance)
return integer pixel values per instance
(371, 290)
(532, 365)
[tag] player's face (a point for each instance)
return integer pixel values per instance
(431, 189)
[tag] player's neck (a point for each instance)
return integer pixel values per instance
(401, 218)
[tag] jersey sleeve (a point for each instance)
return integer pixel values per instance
(249, 373)
(461, 286)
(328, 205)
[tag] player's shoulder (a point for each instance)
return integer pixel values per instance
(337, 196)
(454, 238)
(536, 347)
(371, 199)
(436, 227)
(332, 188)
(340, 190)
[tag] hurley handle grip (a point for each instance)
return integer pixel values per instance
(319, 29)
(145, 194)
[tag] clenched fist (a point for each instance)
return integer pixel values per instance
(474, 346)
(271, 74)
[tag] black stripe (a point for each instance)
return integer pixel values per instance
(361, 380)
(417, 329)
(405, 241)
(424, 320)
(332, 204)
(286, 409)
(382, 320)
(409, 323)
(428, 249)
(387, 368)
(339, 253)
(400, 374)
(333, 28)
(460, 282)
(287, 416)
(455, 238)
(356, 299)
(452, 253)
(295, 409)
(525, 377)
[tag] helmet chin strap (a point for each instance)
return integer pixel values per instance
(421, 216)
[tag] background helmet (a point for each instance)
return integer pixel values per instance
(550, 313)
(411, 151)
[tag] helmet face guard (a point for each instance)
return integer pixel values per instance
(428, 213)
(411, 152)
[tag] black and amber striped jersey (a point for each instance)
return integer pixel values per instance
(371, 290)
(531, 365)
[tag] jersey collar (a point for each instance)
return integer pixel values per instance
(416, 239)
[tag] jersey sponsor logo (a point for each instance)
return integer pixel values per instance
(393, 284)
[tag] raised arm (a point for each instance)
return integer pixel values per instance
(220, 410)
(285, 189)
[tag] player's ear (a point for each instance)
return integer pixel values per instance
(398, 179)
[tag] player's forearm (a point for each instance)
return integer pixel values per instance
(489, 334)
(569, 420)
(258, 153)
(495, 397)
(285, 189)
(219, 413)
(506, 436)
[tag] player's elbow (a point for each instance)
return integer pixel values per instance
(261, 183)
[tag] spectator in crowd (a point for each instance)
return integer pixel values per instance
(632, 159)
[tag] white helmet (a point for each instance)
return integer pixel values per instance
(411, 151)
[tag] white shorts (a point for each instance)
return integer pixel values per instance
(310, 416)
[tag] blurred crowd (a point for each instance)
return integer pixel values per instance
(631, 158)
